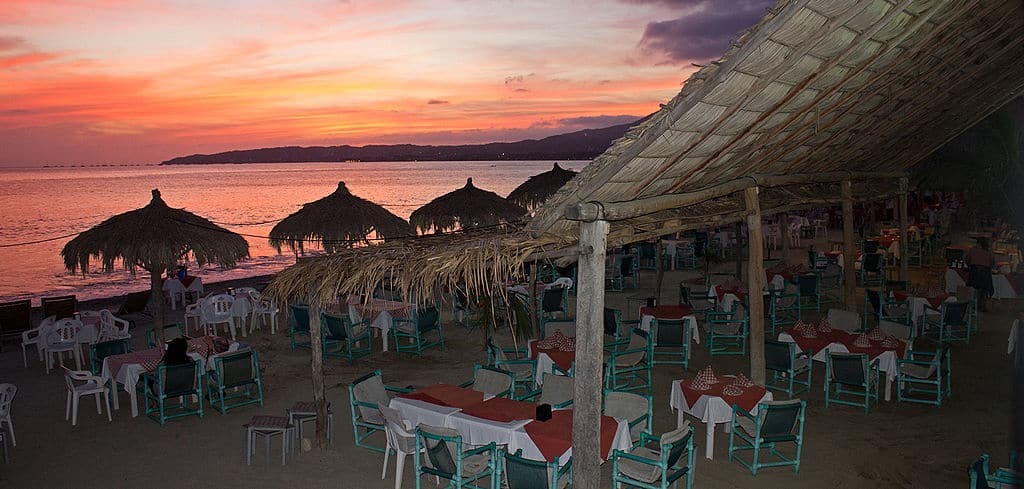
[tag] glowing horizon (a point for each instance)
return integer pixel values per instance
(116, 81)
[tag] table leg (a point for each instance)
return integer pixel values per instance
(888, 388)
(709, 442)
(133, 399)
(384, 338)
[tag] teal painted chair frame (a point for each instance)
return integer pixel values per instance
(338, 339)
(1001, 478)
(168, 382)
(503, 393)
(623, 377)
(775, 423)
(936, 386)
(915, 253)
(523, 473)
(536, 394)
(872, 273)
(969, 294)
(516, 360)
(808, 292)
(830, 284)
(877, 304)
(669, 456)
(647, 420)
(951, 324)
(720, 340)
(781, 359)
(369, 427)
(298, 325)
(622, 269)
(170, 328)
(842, 364)
(104, 349)
(786, 309)
(423, 321)
(454, 472)
(671, 342)
(238, 371)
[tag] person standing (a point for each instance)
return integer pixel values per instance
(980, 261)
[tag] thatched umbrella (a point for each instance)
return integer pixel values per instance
(154, 238)
(468, 207)
(337, 221)
(534, 191)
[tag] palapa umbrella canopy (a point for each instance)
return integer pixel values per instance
(337, 221)
(535, 190)
(153, 238)
(467, 207)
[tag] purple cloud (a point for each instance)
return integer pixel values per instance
(435, 101)
(704, 31)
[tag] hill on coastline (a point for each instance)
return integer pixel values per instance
(579, 145)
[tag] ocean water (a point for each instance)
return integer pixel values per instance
(43, 203)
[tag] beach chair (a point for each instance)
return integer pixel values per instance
(950, 324)
(416, 330)
(924, 372)
(439, 452)
(366, 396)
(701, 301)
(883, 309)
(171, 331)
(82, 383)
(298, 325)
(809, 292)
(671, 342)
(523, 473)
(342, 339)
(727, 331)
(776, 422)
(517, 361)
(61, 307)
(104, 349)
(830, 284)
(493, 382)
(850, 374)
(557, 390)
(1001, 478)
(553, 302)
(656, 468)
(401, 436)
(237, 371)
(787, 365)
(635, 408)
(629, 368)
(170, 382)
(7, 393)
(871, 272)
(15, 319)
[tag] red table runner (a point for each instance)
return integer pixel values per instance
(935, 301)
(737, 292)
(371, 309)
(845, 339)
(447, 395)
(187, 280)
(561, 358)
(747, 400)
(770, 275)
(666, 312)
(554, 436)
(502, 410)
(962, 272)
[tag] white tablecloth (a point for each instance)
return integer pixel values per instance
(1001, 288)
(130, 373)
(886, 361)
(953, 281)
(417, 411)
(710, 410)
(647, 320)
(382, 322)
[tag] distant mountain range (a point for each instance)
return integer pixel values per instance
(579, 145)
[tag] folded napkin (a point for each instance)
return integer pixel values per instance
(805, 330)
(876, 334)
(891, 342)
(824, 326)
(557, 341)
(742, 381)
(862, 341)
(732, 390)
(704, 379)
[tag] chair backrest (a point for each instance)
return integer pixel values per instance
(134, 302)
(178, 380)
(218, 307)
(963, 294)
(848, 368)
(611, 321)
(626, 266)
(237, 368)
(523, 473)
(427, 318)
(400, 433)
(300, 317)
(552, 299)
(105, 349)
(672, 332)
(872, 262)
(978, 471)
(674, 443)
(778, 355)
(874, 297)
(779, 418)
(808, 284)
(567, 328)
(442, 445)
(871, 246)
(15, 317)
(370, 389)
(335, 326)
(788, 296)
(556, 389)
(492, 381)
(898, 330)
(63, 306)
(63, 330)
(955, 312)
(7, 393)
(845, 320)
(626, 405)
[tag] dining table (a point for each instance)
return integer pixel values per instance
(713, 406)
(505, 422)
(1004, 285)
(919, 303)
(549, 356)
(183, 286)
(649, 314)
(839, 341)
(380, 312)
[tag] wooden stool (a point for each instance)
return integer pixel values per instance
(268, 426)
(303, 411)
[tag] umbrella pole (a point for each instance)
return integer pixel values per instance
(316, 349)
(156, 295)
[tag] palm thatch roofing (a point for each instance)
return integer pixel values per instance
(467, 207)
(337, 221)
(535, 190)
(154, 238)
(818, 92)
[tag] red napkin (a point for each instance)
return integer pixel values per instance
(747, 399)
(554, 436)
(502, 410)
(448, 395)
(900, 295)
(937, 300)
(666, 312)
(187, 280)
(419, 396)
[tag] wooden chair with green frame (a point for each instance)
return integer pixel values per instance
(629, 363)
(671, 341)
(342, 339)
(416, 329)
(656, 468)
(237, 371)
(168, 382)
(104, 349)
(556, 390)
(776, 422)
(514, 360)
(926, 373)
(727, 330)
(523, 473)
(298, 325)
(850, 379)
(493, 382)
(633, 407)
(809, 292)
(787, 365)
(366, 396)
(448, 459)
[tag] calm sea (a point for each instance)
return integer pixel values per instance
(42, 203)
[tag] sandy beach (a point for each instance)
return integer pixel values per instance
(897, 445)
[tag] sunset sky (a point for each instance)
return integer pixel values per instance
(127, 81)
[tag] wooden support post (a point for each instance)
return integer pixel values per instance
(755, 277)
(901, 208)
(586, 424)
(531, 301)
(849, 250)
(317, 352)
(738, 232)
(660, 274)
(784, 229)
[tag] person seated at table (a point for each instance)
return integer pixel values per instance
(980, 261)
(176, 352)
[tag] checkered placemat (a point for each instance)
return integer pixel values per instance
(268, 422)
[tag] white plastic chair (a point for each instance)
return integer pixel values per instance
(217, 310)
(401, 438)
(112, 327)
(89, 384)
(35, 336)
(63, 337)
(175, 292)
(194, 316)
(262, 308)
(241, 310)
(7, 393)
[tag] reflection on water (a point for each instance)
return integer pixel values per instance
(49, 202)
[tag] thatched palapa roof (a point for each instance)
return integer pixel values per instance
(535, 190)
(337, 222)
(467, 207)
